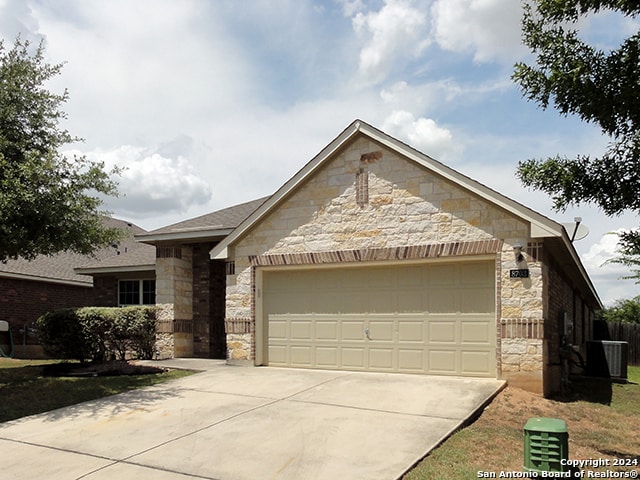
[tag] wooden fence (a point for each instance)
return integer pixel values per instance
(622, 332)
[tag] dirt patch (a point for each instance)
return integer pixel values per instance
(102, 369)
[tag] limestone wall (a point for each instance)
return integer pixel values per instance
(404, 205)
(174, 297)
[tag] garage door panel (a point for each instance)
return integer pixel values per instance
(476, 273)
(411, 360)
(443, 331)
(442, 275)
(327, 330)
(301, 329)
(278, 355)
(443, 361)
(381, 301)
(381, 359)
(412, 301)
(326, 357)
(411, 330)
(428, 318)
(476, 331)
(381, 330)
(278, 328)
(443, 301)
(477, 300)
(301, 355)
(353, 330)
(352, 357)
(475, 362)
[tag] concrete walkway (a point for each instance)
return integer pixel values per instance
(235, 423)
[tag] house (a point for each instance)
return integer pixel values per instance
(174, 269)
(375, 257)
(29, 289)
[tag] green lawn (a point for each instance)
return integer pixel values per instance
(603, 421)
(25, 391)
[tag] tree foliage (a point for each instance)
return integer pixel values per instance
(600, 87)
(625, 311)
(48, 201)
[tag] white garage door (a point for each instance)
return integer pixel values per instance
(436, 319)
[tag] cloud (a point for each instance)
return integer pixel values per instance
(137, 77)
(392, 36)
(608, 275)
(421, 133)
(151, 183)
(350, 7)
(490, 29)
(605, 249)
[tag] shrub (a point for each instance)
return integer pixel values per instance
(61, 335)
(97, 333)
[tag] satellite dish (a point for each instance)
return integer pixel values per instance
(577, 231)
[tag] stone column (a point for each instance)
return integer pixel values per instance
(174, 299)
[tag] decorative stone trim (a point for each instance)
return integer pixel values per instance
(164, 326)
(169, 252)
(414, 252)
(238, 325)
(522, 328)
(182, 326)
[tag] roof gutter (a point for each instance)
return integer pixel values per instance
(119, 269)
(183, 236)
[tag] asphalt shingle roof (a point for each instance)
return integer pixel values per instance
(226, 218)
(60, 267)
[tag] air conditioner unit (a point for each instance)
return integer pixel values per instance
(607, 358)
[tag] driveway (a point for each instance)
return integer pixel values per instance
(235, 423)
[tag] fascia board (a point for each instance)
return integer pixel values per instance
(122, 269)
(35, 278)
(183, 236)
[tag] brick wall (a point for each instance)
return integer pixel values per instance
(23, 301)
(562, 298)
(105, 292)
(208, 304)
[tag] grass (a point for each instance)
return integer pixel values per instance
(25, 391)
(603, 421)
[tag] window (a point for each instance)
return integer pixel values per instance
(362, 187)
(136, 292)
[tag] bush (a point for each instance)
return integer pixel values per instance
(97, 333)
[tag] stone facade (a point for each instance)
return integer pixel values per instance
(406, 205)
(190, 301)
(174, 294)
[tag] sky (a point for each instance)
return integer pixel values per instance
(211, 103)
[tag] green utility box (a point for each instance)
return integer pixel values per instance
(546, 443)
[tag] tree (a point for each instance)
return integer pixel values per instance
(48, 201)
(600, 87)
(625, 311)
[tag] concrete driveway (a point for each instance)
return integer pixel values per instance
(233, 423)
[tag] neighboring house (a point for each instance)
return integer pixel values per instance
(29, 289)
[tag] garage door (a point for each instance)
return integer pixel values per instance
(436, 319)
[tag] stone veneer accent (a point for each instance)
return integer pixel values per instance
(414, 252)
(174, 298)
(410, 213)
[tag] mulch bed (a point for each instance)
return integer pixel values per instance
(101, 369)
